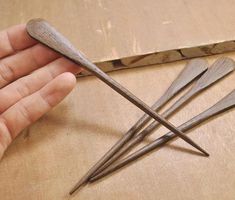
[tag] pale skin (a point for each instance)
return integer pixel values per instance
(33, 79)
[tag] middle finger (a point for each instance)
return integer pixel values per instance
(35, 81)
(24, 62)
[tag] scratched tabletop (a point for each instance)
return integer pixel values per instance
(46, 160)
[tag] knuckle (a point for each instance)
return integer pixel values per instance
(6, 72)
(25, 112)
(23, 88)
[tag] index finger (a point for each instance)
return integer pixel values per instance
(14, 39)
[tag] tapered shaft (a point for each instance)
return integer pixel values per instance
(226, 103)
(46, 34)
(193, 69)
(218, 70)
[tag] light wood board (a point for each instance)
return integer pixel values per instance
(50, 156)
(130, 32)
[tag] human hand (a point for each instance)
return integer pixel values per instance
(33, 79)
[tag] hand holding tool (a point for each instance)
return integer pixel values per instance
(42, 31)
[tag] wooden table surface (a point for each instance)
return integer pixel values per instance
(106, 30)
(46, 160)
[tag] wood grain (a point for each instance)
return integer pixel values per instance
(122, 30)
(42, 165)
(45, 164)
(223, 105)
(192, 70)
(42, 31)
(218, 70)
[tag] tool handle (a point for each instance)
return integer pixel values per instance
(48, 35)
(219, 69)
(42, 31)
(223, 105)
(193, 69)
(214, 73)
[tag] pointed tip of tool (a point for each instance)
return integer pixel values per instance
(201, 150)
(206, 154)
(77, 187)
(73, 191)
